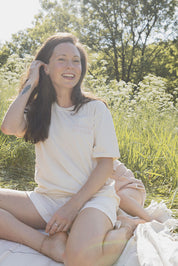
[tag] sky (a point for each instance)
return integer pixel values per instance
(16, 15)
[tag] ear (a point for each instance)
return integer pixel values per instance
(46, 69)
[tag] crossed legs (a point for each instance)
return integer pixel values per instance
(92, 240)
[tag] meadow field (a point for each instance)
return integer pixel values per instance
(145, 120)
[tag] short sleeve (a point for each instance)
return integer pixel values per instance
(105, 140)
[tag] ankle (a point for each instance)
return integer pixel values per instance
(43, 242)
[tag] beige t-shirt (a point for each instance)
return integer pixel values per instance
(66, 158)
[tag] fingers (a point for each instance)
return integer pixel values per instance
(35, 66)
(53, 227)
(66, 228)
(60, 228)
(37, 63)
(49, 226)
(33, 76)
(63, 227)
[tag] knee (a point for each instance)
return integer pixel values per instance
(122, 195)
(126, 194)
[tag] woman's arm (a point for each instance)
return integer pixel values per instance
(14, 122)
(65, 216)
(95, 182)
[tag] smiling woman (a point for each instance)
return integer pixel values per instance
(15, 16)
(75, 145)
(75, 200)
(64, 68)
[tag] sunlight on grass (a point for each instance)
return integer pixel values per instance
(145, 124)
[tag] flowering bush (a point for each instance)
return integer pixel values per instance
(145, 123)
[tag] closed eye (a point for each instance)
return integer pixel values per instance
(76, 61)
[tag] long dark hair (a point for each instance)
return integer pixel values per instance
(38, 108)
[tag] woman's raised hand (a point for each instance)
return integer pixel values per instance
(34, 73)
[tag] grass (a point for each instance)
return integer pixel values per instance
(147, 141)
(148, 147)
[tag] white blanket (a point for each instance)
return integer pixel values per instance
(153, 244)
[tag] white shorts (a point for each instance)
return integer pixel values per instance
(47, 205)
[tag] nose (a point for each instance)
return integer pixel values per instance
(70, 64)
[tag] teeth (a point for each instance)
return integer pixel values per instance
(68, 75)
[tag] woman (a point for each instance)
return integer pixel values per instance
(75, 144)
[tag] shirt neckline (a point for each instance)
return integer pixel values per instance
(64, 108)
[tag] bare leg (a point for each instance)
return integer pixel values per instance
(116, 240)
(19, 218)
(93, 242)
(130, 202)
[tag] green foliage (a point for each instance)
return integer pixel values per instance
(54, 17)
(130, 39)
(117, 36)
(162, 61)
(16, 156)
(145, 122)
(15, 66)
(4, 54)
(122, 29)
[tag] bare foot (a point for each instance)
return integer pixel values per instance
(54, 246)
(129, 223)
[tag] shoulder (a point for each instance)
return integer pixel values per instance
(99, 111)
(96, 106)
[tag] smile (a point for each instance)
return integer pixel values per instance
(68, 75)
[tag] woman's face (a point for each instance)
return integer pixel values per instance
(64, 67)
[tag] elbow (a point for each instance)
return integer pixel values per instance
(8, 131)
(4, 129)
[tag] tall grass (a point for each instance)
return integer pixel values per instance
(16, 156)
(146, 126)
(148, 147)
(145, 123)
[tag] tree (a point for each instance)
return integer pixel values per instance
(162, 62)
(4, 54)
(120, 35)
(122, 29)
(54, 17)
